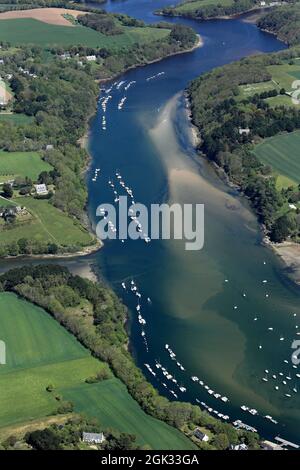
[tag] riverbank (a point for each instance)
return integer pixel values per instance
(289, 253)
(199, 43)
(253, 11)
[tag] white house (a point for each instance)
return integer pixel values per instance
(93, 438)
(91, 58)
(41, 189)
(239, 447)
(244, 131)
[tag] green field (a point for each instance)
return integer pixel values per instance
(40, 352)
(15, 118)
(282, 77)
(253, 88)
(14, 164)
(285, 74)
(49, 224)
(31, 31)
(282, 153)
(110, 402)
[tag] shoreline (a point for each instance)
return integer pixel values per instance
(85, 251)
(288, 252)
(199, 43)
(217, 17)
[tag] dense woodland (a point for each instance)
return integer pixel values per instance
(284, 22)
(219, 114)
(211, 11)
(55, 289)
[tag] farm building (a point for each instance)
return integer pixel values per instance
(245, 131)
(91, 58)
(93, 438)
(41, 189)
(201, 435)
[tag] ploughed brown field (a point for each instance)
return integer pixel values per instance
(46, 15)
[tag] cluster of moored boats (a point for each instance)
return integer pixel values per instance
(155, 76)
(132, 287)
(121, 182)
(285, 380)
(210, 410)
(280, 379)
(103, 100)
(96, 174)
(118, 86)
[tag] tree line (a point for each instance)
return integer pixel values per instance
(221, 114)
(56, 290)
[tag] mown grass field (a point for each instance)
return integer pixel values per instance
(283, 76)
(282, 153)
(13, 164)
(253, 88)
(15, 118)
(110, 402)
(31, 31)
(41, 352)
(48, 224)
(38, 352)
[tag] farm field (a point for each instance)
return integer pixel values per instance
(13, 164)
(282, 153)
(110, 402)
(253, 88)
(48, 224)
(46, 15)
(15, 118)
(32, 31)
(38, 352)
(41, 352)
(283, 76)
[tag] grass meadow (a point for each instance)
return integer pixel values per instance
(31, 31)
(41, 352)
(282, 153)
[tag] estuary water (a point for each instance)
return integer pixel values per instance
(228, 311)
(213, 308)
